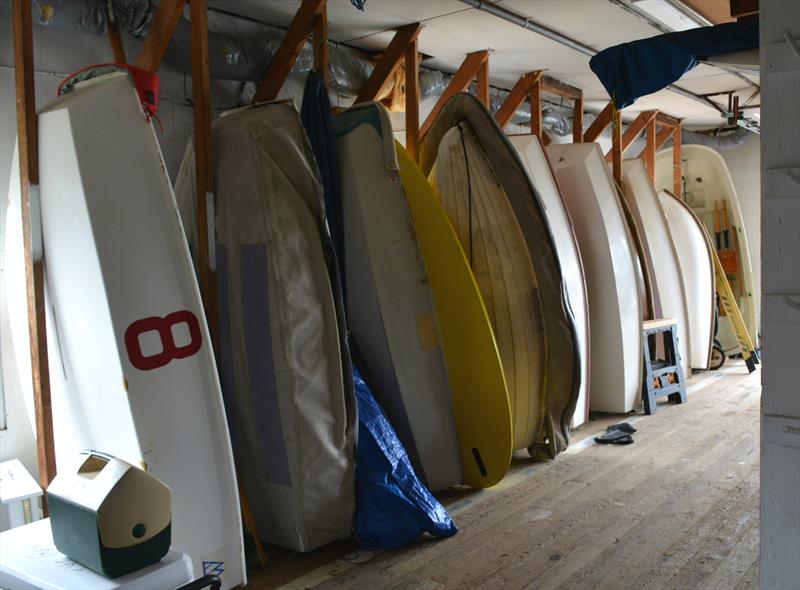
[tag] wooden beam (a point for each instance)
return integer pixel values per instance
(577, 121)
(290, 47)
(466, 72)
(28, 145)
(482, 83)
(204, 166)
(389, 62)
(665, 120)
(740, 8)
(599, 124)
(320, 42)
(616, 144)
(649, 152)
(634, 130)
(114, 38)
(536, 108)
(677, 185)
(516, 97)
(559, 88)
(412, 99)
(168, 14)
(546, 138)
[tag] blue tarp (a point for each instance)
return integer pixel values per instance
(631, 70)
(393, 507)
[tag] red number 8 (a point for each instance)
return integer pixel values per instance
(164, 328)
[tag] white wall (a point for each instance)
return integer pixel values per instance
(744, 163)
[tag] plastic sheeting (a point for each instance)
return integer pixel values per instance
(394, 508)
(634, 69)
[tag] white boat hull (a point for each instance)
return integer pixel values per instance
(139, 375)
(536, 164)
(609, 259)
(638, 191)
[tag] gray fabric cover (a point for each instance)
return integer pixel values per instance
(563, 370)
(285, 369)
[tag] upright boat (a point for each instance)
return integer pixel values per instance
(135, 371)
(609, 258)
(288, 393)
(502, 188)
(710, 193)
(640, 194)
(694, 252)
(537, 166)
(389, 305)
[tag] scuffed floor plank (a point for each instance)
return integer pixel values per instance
(677, 509)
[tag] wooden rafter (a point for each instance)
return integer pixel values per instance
(27, 141)
(559, 88)
(599, 124)
(389, 62)
(663, 136)
(516, 97)
(633, 131)
(320, 45)
(168, 14)
(412, 99)
(283, 61)
(465, 74)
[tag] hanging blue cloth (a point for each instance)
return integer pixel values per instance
(631, 70)
(393, 507)
(358, 3)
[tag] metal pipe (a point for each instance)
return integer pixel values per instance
(531, 25)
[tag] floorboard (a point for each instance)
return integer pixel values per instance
(677, 509)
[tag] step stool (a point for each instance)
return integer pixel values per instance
(661, 376)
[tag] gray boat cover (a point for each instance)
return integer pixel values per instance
(285, 370)
(563, 357)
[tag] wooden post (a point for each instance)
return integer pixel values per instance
(204, 168)
(577, 121)
(168, 14)
(616, 143)
(290, 47)
(677, 186)
(389, 62)
(466, 72)
(412, 100)
(482, 83)
(536, 108)
(649, 153)
(28, 146)
(320, 42)
(114, 38)
(599, 124)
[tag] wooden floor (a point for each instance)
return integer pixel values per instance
(677, 509)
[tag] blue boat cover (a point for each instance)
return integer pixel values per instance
(315, 113)
(393, 507)
(631, 70)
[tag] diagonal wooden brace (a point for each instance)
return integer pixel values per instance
(389, 62)
(466, 73)
(301, 27)
(168, 14)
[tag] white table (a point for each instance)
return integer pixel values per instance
(30, 561)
